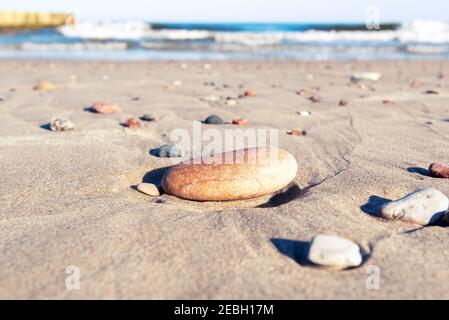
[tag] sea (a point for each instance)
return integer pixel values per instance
(137, 40)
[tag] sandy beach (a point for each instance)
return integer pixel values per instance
(69, 198)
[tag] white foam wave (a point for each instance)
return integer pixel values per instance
(103, 31)
(419, 31)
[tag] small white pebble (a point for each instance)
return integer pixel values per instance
(177, 83)
(231, 102)
(304, 113)
(59, 124)
(332, 251)
(149, 189)
(369, 76)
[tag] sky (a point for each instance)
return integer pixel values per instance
(239, 10)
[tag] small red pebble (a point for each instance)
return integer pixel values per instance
(439, 170)
(387, 101)
(249, 93)
(133, 123)
(105, 107)
(297, 133)
(240, 122)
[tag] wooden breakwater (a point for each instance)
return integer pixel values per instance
(31, 20)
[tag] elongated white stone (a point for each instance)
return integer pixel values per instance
(148, 188)
(423, 207)
(332, 251)
(370, 76)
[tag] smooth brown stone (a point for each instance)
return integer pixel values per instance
(439, 170)
(105, 107)
(250, 93)
(240, 122)
(255, 175)
(133, 123)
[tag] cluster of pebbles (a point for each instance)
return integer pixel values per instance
(201, 181)
(423, 207)
(105, 108)
(204, 180)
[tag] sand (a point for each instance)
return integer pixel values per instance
(67, 198)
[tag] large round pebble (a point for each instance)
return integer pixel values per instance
(332, 251)
(234, 175)
(422, 207)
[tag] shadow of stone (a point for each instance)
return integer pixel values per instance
(294, 249)
(89, 109)
(292, 193)
(443, 222)
(299, 252)
(421, 171)
(46, 126)
(413, 230)
(372, 207)
(155, 176)
(154, 152)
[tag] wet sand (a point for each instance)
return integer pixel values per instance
(67, 198)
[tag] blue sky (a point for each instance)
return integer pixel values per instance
(239, 10)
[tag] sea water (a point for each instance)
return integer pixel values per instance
(134, 40)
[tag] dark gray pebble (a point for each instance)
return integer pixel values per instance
(213, 119)
(167, 151)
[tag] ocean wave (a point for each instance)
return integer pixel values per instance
(106, 31)
(419, 31)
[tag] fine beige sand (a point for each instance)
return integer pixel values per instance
(68, 198)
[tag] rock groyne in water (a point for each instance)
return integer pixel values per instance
(31, 20)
